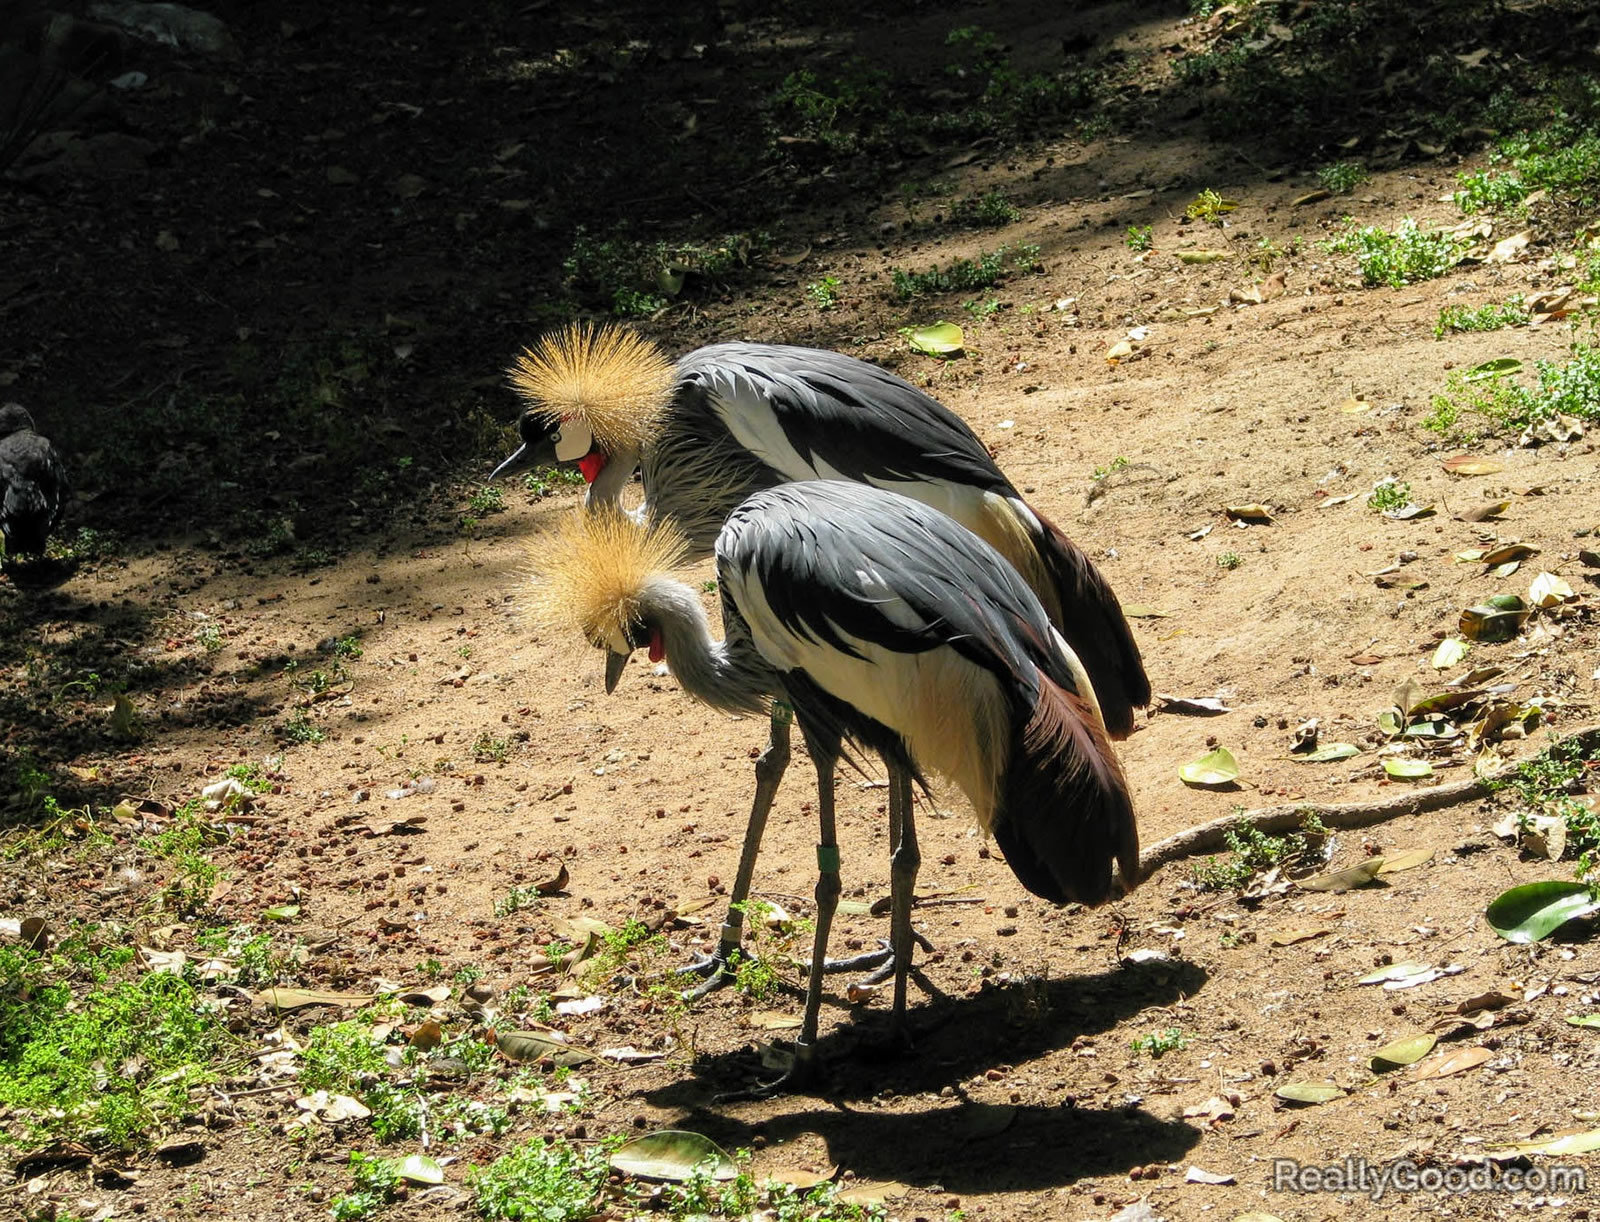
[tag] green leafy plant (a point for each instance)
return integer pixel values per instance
(1140, 237)
(1488, 317)
(299, 728)
(93, 1048)
(1116, 464)
(547, 481)
(1342, 177)
(1389, 494)
(1405, 256)
(1159, 1043)
(377, 1183)
(991, 210)
(1489, 399)
(1549, 783)
(1229, 560)
(1489, 191)
(540, 1182)
(489, 749)
(824, 293)
(1209, 207)
(964, 275)
(1255, 851)
(486, 500)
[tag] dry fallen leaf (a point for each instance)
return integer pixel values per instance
(1456, 1062)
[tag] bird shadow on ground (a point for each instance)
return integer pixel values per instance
(955, 1039)
(971, 1148)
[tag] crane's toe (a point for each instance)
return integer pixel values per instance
(716, 969)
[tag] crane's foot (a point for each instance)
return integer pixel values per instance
(714, 970)
(800, 1076)
(879, 962)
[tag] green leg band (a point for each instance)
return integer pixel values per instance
(782, 712)
(828, 858)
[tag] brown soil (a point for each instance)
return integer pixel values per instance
(1025, 1095)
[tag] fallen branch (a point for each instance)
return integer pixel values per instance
(1209, 837)
(1212, 836)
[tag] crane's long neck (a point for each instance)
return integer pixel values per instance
(728, 675)
(606, 490)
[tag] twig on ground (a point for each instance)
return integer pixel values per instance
(1288, 817)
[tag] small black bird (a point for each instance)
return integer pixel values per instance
(33, 483)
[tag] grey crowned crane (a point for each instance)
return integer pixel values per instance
(733, 418)
(885, 625)
(33, 484)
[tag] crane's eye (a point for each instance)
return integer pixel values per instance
(555, 438)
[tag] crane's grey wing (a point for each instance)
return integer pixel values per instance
(833, 564)
(814, 414)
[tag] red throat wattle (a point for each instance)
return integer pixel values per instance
(591, 464)
(657, 651)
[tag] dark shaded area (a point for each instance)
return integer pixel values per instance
(282, 277)
(956, 1040)
(260, 287)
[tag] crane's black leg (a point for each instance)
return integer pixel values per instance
(770, 767)
(902, 889)
(825, 756)
(885, 960)
(828, 888)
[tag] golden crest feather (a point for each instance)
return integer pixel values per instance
(591, 568)
(617, 381)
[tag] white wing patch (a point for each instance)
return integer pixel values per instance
(746, 410)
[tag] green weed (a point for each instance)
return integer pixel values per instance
(1342, 177)
(489, 749)
(1488, 317)
(1229, 560)
(984, 310)
(515, 900)
(540, 1182)
(547, 481)
(990, 210)
(1209, 207)
(1140, 237)
(299, 728)
(1549, 784)
(486, 500)
(1389, 494)
(377, 1183)
(1477, 402)
(824, 293)
(1253, 852)
(964, 275)
(341, 1057)
(1159, 1043)
(92, 1048)
(1407, 255)
(1489, 191)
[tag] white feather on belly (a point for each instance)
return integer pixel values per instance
(949, 710)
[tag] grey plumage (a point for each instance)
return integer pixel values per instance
(33, 483)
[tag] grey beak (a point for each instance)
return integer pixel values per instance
(515, 465)
(615, 664)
